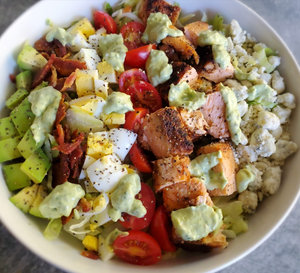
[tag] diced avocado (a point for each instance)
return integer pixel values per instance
(36, 166)
(28, 145)
(41, 195)
(22, 117)
(30, 59)
(7, 129)
(8, 148)
(24, 199)
(15, 178)
(40, 86)
(24, 80)
(16, 98)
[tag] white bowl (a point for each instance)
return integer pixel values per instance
(64, 252)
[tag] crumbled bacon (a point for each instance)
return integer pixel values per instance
(12, 78)
(66, 66)
(61, 113)
(68, 148)
(60, 170)
(69, 81)
(61, 50)
(65, 220)
(53, 78)
(85, 205)
(43, 46)
(90, 254)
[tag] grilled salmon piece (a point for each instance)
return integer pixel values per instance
(183, 46)
(184, 194)
(164, 134)
(206, 244)
(170, 52)
(192, 31)
(182, 72)
(214, 113)
(153, 6)
(210, 69)
(194, 122)
(227, 165)
(170, 170)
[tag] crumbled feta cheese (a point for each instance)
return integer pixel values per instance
(246, 153)
(271, 180)
(263, 142)
(238, 35)
(282, 113)
(276, 133)
(268, 120)
(274, 61)
(249, 201)
(284, 149)
(240, 51)
(256, 184)
(230, 45)
(239, 90)
(287, 100)
(243, 107)
(250, 39)
(266, 77)
(277, 82)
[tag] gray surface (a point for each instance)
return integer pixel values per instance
(280, 253)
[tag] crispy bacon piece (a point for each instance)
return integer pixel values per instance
(75, 161)
(65, 220)
(67, 133)
(61, 113)
(61, 50)
(43, 46)
(53, 78)
(12, 78)
(90, 254)
(85, 204)
(69, 81)
(67, 148)
(45, 55)
(60, 170)
(66, 66)
(41, 74)
(59, 134)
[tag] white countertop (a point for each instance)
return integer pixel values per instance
(280, 253)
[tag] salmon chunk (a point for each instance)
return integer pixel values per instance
(214, 113)
(182, 72)
(170, 52)
(164, 134)
(227, 165)
(171, 170)
(184, 194)
(192, 31)
(194, 122)
(183, 46)
(210, 69)
(153, 6)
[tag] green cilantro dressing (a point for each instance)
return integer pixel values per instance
(113, 50)
(44, 104)
(123, 198)
(260, 93)
(158, 28)
(181, 95)
(243, 178)
(201, 167)
(195, 223)
(118, 102)
(61, 35)
(157, 67)
(61, 200)
(233, 116)
(218, 42)
(112, 237)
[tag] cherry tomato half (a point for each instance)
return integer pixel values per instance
(137, 248)
(128, 77)
(102, 19)
(133, 119)
(132, 33)
(160, 229)
(138, 57)
(146, 195)
(139, 159)
(143, 94)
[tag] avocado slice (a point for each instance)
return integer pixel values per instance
(8, 148)
(7, 129)
(36, 166)
(28, 145)
(24, 80)
(14, 177)
(22, 116)
(41, 195)
(16, 98)
(30, 59)
(24, 199)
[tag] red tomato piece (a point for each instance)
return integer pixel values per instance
(138, 57)
(102, 19)
(146, 195)
(139, 159)
(143, 94)
(133, 119)
(160, 229)
(132, 33)
(128, 77)
(137, 248)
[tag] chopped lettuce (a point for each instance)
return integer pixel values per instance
(263, 60)
(217, 23)
(53, 229)
(108, 8)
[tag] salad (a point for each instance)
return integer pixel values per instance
(142, 131)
